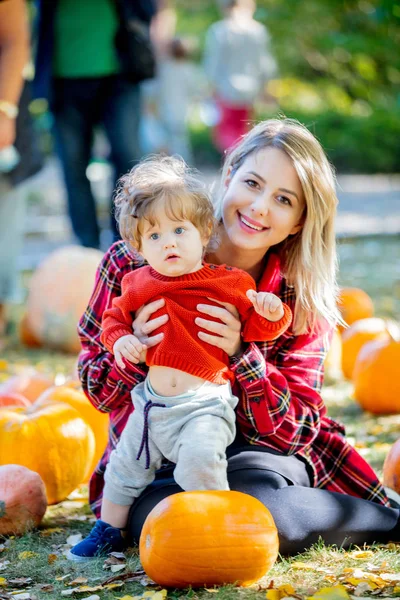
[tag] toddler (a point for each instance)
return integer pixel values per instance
(184, 410)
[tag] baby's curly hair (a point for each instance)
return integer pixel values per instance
(167, 182)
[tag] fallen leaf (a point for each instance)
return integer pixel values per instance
(46, 587)
(273, 595)
(302, 566)
(51, 558)
(3, 581)
(20, 581)
(361, 554)
(27, 555)
(116, 568)
(336, 592)
(50, 531)
(74, 539)
(78, 581)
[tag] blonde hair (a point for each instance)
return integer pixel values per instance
(309, 256)
(165, 181)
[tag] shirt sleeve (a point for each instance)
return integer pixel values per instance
(281, 400)
(117, 320)
(104, 383)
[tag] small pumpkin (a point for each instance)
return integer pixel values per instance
(30, 384)
(358, 334)
(97, 420)
(23, 500)
(59, 291)
(53, 440)
(391, 468)
(208, 538)
(376, 377)
(354, 304)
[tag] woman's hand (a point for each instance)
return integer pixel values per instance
(142, 327)
(227, 333)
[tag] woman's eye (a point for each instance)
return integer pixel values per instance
(251, 183)
(154, 236)
(284, 200)
(179, 230)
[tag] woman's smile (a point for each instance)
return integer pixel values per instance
(250, 225)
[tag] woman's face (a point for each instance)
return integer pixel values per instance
(263, 202)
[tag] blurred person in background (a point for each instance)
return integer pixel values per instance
(14, 55)
(80, 72)
(179, 83)
(238, 63)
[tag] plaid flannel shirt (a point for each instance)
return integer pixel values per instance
(278, 384)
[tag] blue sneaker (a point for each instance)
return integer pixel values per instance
(102, 540)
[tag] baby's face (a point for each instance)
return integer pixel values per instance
(171, 247)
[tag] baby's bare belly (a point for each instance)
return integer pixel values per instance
(166, 381)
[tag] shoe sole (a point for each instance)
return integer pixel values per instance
(76, 558)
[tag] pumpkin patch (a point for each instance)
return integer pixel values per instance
(54, 441)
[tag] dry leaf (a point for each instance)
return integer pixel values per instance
(78, 581)
(27, 554)
(74, 539)
(49, 531)
(116, 568)
(51, 558)
(3, 581)
(361, 554)
(302, 566)
(336, 592)
(46, 587)
(20, 581)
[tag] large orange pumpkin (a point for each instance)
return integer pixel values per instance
(53, 440)
(94, 418)
(358, 334)
(30, 384)
(208, 538)
(391, 468)
(376, 377)
(59, 291)
(354, 304)
(22, 499)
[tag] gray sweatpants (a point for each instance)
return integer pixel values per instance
(191, 430)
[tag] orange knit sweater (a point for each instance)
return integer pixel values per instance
(181, 348)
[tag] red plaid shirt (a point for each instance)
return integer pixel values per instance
(278, 384)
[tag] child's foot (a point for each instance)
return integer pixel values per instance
(102, 540)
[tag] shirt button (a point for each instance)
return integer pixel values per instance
(256, 399)
(240, 369)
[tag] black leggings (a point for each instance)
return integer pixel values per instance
(302, 514)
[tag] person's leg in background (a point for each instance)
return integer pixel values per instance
(12, 214)
(121, 119)
(75, 113)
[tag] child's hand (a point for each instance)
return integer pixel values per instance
(266, 304)
(129, 347)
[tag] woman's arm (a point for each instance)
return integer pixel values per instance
(281, 403)
(105, 384)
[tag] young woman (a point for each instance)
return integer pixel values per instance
(276, 213)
